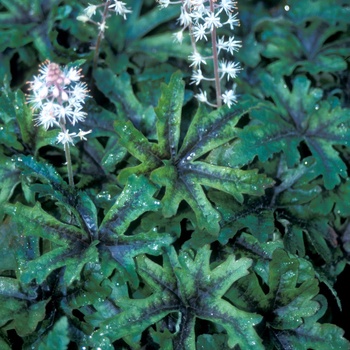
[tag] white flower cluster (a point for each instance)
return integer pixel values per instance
(116, 6)
(57, 95)
(202, 18)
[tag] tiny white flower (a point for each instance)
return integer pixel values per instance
(196, 59)
(228, 6)
(212, 20)
(220, 45)
(198, 10)
(229, 68)
(83, 18)
(62, 112)
(185, 18)
(90, 10)
(120, 8)
(65, 137)
(202, 96)
(178, 37)
(73, 74)
(102, 26)
(197, 76)
(37, 84)
(77, 115)
(199, 32)
(233, 21)
(82, 134)
(79, 93)
(229, 97)
(35, 100)
(43, 70)
(164, 3)
(46, 117)
(233, 45)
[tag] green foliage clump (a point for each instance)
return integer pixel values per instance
(188, 227)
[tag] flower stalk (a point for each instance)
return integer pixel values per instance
(100, 36)
(108, 6)
(215, 61)
(69, 164)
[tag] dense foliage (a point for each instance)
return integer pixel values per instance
(188, 227)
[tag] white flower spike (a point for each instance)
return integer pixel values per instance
(57, 97)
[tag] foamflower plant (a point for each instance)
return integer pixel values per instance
(57, 98)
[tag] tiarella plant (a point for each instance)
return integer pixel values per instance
(205, 209)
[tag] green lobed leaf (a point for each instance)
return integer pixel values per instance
(327, 9)
(314, 336)
(181, 172)
(120, 92)
(73, 251)
(290, 301)
(291, 306)
(188, 287)
(297, 116)
(303, 47)
(254, 215)
(129, 247)
(35, 221)
(20, 315)
(58, 337)
(79, 203)
(168, 114)
(72, 259)
(136, 199)
(178, 189)
(9, 178)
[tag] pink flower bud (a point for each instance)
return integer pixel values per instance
(64, 96)
(43, 92)
(56, 92)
